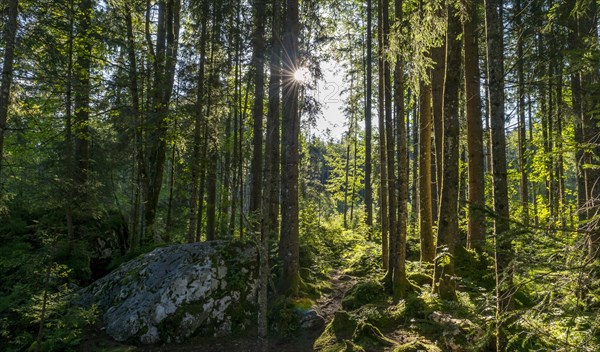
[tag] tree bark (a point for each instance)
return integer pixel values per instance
(383, 188)
(81, 99)
(165, 57)
(368, 124)
(258, 63)
(443, 281)
(346, 172)
(196, 156)
(495, 60)
(524, 191)
(69, 150)
(289, 242)
(211, 131)
(270, 188)
(136, 115)
(272, 142)
(9, 36)
(425, 206)
(438, 54)
(476, 220)
(400, 282)
(391, 152)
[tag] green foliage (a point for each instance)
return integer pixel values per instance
(476, 270)
(31, 250)
(364, 258)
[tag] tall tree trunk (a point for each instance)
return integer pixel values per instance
(237, 127)
(354, 170)
(272, 142)
(289, 241)
(196, 156)
(576, 43)
(211, 194)
(212, 146)
(550, 134)
(533, 185)
(391, 152)
(203, 164)
(165, 57)
(69, 151)
(590, 105)
(82, 91)
(383, 191)
(448, 236)
(347, 173)
(236, 136)
(271, 184)
(495, 60)
(136, 114)
(241, 174)
(169, 222)
(368, 124)
(559, 165)
(258, 63)
(438, 55)
(415, 165)
(400, 282)
(9, 37)
(524, 191)
(476, 221)
(425, 206)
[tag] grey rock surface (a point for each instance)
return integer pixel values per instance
(174, 292)
(311, 319)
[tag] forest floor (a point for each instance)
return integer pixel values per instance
(326, 306)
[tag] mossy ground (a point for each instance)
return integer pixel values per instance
(421, 321)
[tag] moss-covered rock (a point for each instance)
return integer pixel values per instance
(367, 334)
(362, 293)
(174, 292)
(341, 328)
(352, 347)
(417, 346)
(420, 278)
(347, 333)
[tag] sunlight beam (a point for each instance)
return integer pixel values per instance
(301, 75)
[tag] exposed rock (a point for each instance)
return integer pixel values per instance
(174, 292)
(311, 319)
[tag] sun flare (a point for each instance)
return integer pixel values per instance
(301, 75)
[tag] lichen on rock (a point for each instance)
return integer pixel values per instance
(177, 291)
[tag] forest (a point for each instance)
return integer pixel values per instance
(165, 184)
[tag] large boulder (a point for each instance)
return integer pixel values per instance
(174, 292)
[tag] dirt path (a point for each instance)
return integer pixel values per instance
(326, 306)
(332, 302)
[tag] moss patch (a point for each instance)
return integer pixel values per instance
(417, 346)
(420, 279)
(383, 316)
(341, 328)
(368, 335)
(363, 293)
(346, 333)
